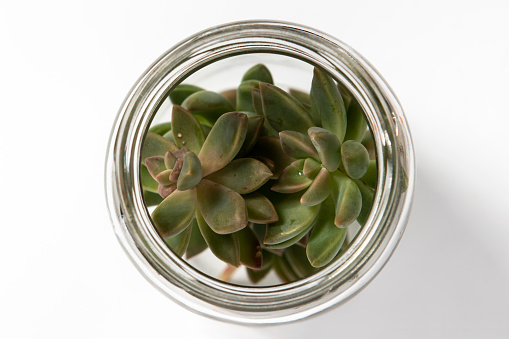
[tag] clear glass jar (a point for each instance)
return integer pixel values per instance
(369, 250)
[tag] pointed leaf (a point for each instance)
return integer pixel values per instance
(292, 241)
(284, 271)
(282, 111)
(186, 129)
(151, 199)
(161, 129)
(259, 209)
(209, 105)
(223, 209)
(224, 246)
(182, 91)
(327, 145)
(175, 213)
(147, 182)
(297, 145)
(293, 219)
(155, 165)
(267, 262)
(178, 243)
(250, 248)
(291, 180)
(357, 124)
(355, 158)
(231, 96)
(258, 72)
(165, 190)
(169, 160)
(347, 197)
(368, 196)
(155, 144)
(303, 97)
(326, 239)
(318, 191)
(347, 97)
(270, 147)
(254, 127)
(196, 242)
(223, 142)
(296, 257)
(370, 178)
(245, 96)
(329, 103)
(175, 172)
(163, 178)
(243, 175)
(311, 168)
(190, 175)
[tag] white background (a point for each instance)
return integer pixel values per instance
(65, 67)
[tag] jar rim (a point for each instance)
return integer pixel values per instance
(332, 285)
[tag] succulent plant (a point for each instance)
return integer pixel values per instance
(263, 177)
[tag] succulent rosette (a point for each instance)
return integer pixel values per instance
(263, 177)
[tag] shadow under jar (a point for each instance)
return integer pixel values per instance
(216, 59)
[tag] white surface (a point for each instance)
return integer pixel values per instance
(65, 68)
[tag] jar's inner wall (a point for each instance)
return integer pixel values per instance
(224, 75)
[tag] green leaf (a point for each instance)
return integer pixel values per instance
(196, 242)
(175, 213)
(223, 142)
(163, 178)
(327, 145)
(329, 103)
(250, 249)
(291, 180)
(270, 147)
(155, 144)
(254, 127)
(258, 72)
(370, 178)
(318, 191)
(231, 96)
(260, 209)
(224, 246)
(182, 91)
(191, 172)
(245, 95)
(151, 199)
(293, 219)
(298, 261)
(326, 239)
(178, 243)
(208, 105)
(169, 160)
(169, 136)
(357, 124)
(311, 168)
(282, 111)
(292, 241)
(284, 271)
(161, 129)
(303, 97)
(267, 263)
(355, 158)
(243, 175)
(186, 129)
(348, 199)
(223, 209)
(297, 145)
(166, 190)
(347, 97)
(147, 182)
(155, 165)
(368, 196)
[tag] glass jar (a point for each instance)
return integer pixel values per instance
(369, 250)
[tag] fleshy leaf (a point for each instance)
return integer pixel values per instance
(368, 196)
(175, 213)
(326, 239)
(259, 209)
(245, 96)
(208, 105)
(347, 97)
(182, 91)
(147, 182)
(348, 199)
(303, 97)
(169, 160)
(254, 127)
(223, 209)
(155, 165)
(165, 191)
(163, 178)
(161, 129)
(270, 147)
(243, 175)
(355, 158)
(327, 145)
(179, 242)
(258, 72)
(297, 145)
(224, 246)
(329, 103)
(357, 124)
(267, 262)
(169, 136)
(223, 142)
(282, 111)
(291, 180)
(318, 191)
(231, 96)
(151, 199)
(196, 243)
(296, 257)
(284, 271)
(370, 178)
(250, 249)
(292, 241)
(175, 172)
(191, 172)
(293, 219)
(186, 129)
(311, 168)
(154, 144)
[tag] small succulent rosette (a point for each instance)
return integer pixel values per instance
(265, 178)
